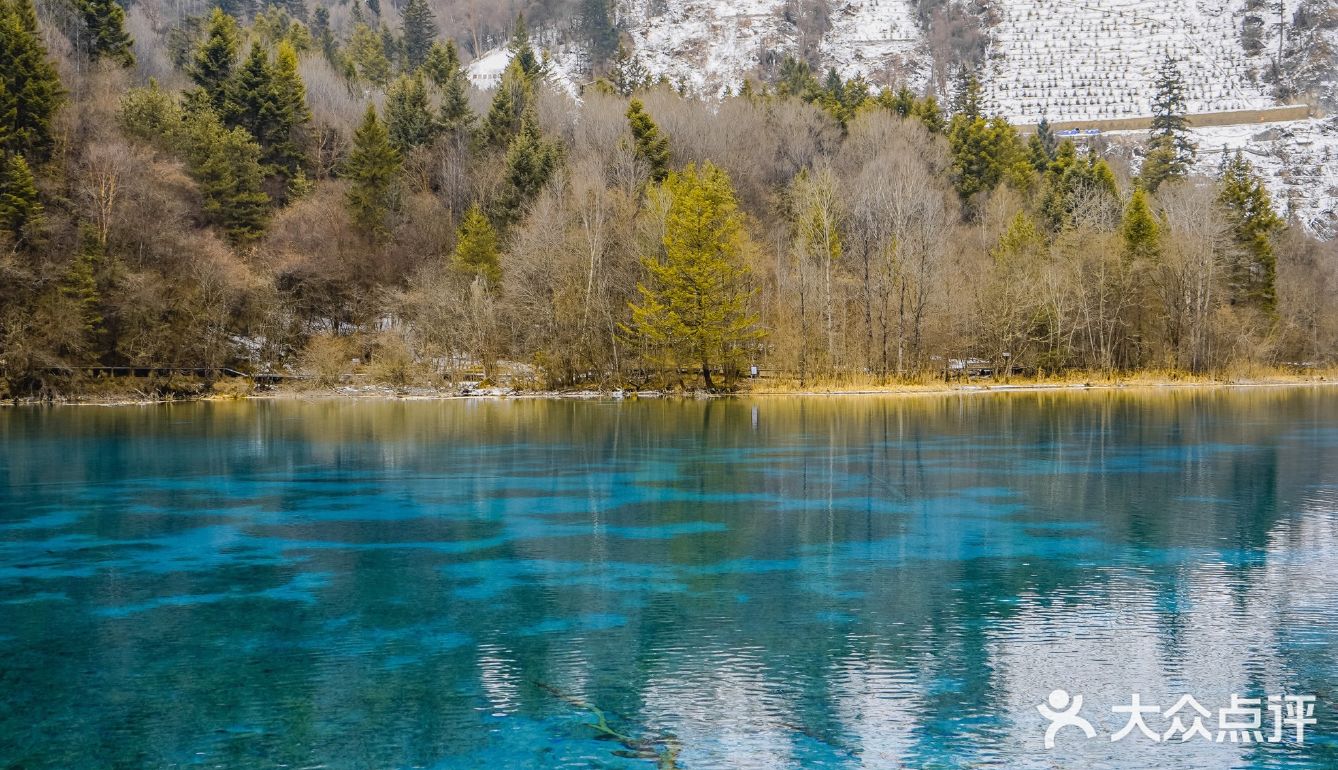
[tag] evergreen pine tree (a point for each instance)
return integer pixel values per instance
(390, 47)
(530, 162)
(368, 56)
(1170, 151)
(1042, 146)
(509, 102)
(441, 62)
(598, 30)
(80, 286)
(420, 30)
(251, 98)
(927, 111)
(626, 73)
(833, 85)
(320, 30)
(269, 101)
(843, 99)
(694, 307)
(1019, 243)
(215, 59)
(1046, 135)
(968, 101)
(1249, 210)
(523, 52)
(903, 103)
(299, 186)
(408, 116)
(1139, 229)
(225, 163)
(150, 114)
(476, 249)
(20, 210)
(372, 170)
(651, 147)
(985, 152)
(1071, 180)
(455, 115)
(105, 20)
(796, 79)
(30, 89)
(291, 99)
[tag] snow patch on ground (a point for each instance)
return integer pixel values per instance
(485, 72)
(705, 45)
(1297, 160)
(878, 39)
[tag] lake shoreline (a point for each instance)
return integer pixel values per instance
(387, 393)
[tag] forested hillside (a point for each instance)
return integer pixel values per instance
(316, 190)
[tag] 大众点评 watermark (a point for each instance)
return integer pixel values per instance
(1241, 722)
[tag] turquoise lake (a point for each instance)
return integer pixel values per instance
(841, 582)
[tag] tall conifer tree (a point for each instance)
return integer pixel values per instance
(441, 62)
(30, 89)
(651, 147)
(530, 162)
(215, 60)
(1170, 151)
(1139, 228)
(105, 20)
(420, 30)
(513, 95)
(372, 170)
(523, 52)
(225, 163)
(694, 307)
(455, 115)
(476, 249)
(409, 120)
(20, 210)
(1249, 210)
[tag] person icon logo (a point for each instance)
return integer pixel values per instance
(1062, 711)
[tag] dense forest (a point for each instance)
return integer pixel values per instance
(319, 190)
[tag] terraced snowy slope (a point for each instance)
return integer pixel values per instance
(1097, 59)
(1063, 59)
(710, 45)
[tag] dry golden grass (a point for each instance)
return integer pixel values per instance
(1251, 375)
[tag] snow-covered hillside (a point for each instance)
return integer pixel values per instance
(711, 45)
(707, 45)
(1298, 160)
(1062, 59)
(1097, 59)
(878, 39)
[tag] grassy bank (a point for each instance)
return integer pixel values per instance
(139, 391)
